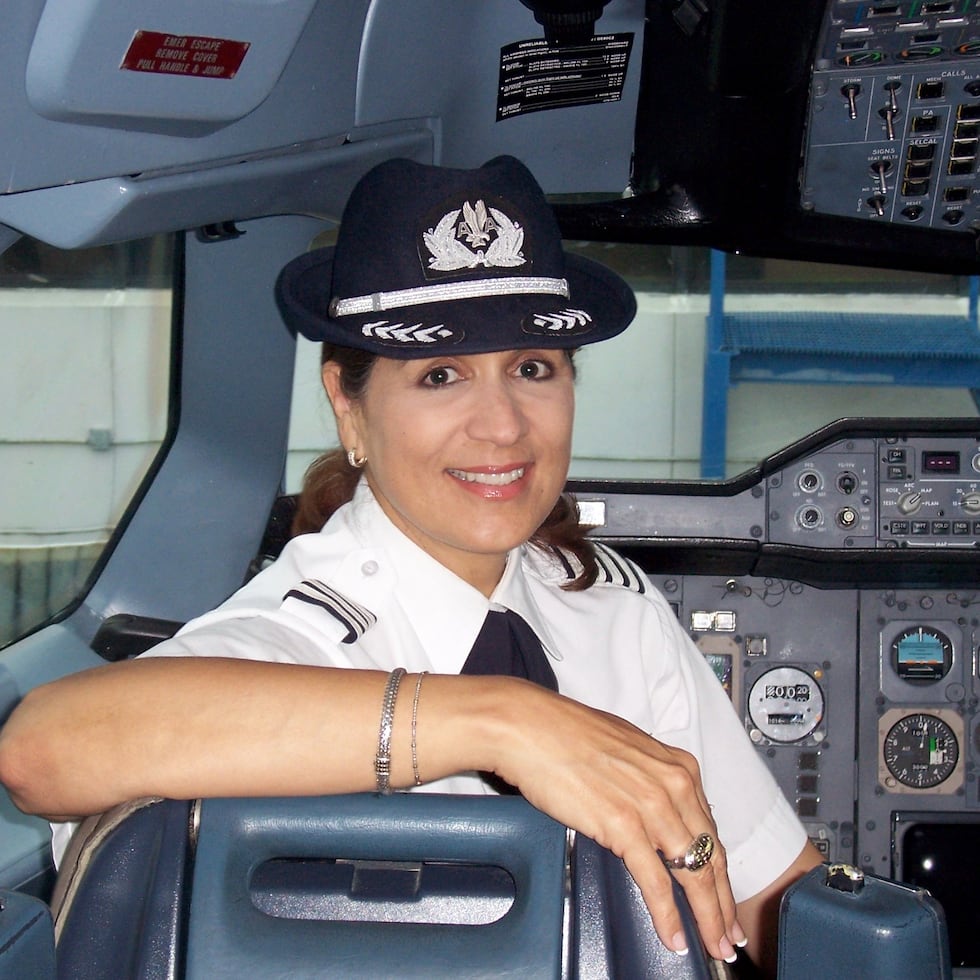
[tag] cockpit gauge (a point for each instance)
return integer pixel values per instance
(921, 654)
(785, 705)
(921, 750)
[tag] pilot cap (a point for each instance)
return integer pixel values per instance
(437, 261)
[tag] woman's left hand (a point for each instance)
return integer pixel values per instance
(632, 794)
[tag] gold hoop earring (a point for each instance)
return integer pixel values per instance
(354, 462)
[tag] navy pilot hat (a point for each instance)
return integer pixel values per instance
(436, 261)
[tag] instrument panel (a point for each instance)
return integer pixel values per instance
(835, 592)
(786, 654)
(894, 492)
(863, 704)
(894, 114)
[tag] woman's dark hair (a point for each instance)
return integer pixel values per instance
(330, 481)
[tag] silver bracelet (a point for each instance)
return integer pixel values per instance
(382, 761)
(415, 719)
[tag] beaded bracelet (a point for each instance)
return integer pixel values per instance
(415, 718)
(382, 761)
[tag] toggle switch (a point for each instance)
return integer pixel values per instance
(850, 91)
(880, 168)
(877, 204)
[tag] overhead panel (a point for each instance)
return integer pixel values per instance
(894, 117)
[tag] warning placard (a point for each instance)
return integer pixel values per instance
(184, 54)
(535, 76)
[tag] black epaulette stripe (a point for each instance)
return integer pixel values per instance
(357, 614)
(619, 570)
(565, 563)
(353, 617)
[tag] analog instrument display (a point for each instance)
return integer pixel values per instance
(921, 751)
(786, 704)
(921, 654)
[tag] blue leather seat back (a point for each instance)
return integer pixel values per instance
(875, 928)
(614, 934)
(26, 938)
(230, 937)
(263, 888)
(128, 899)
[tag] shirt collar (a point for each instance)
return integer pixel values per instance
(514, 592)
(445, 612)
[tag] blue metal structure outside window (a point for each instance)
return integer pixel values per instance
(827, 348)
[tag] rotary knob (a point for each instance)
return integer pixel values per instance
(909, 502)
(971, 503)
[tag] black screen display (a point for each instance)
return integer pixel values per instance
(942, 855)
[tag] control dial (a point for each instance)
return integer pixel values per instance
(910, 502)
(921, 751)
(785, 704)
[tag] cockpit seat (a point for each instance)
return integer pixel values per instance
(838, 921)
(407, 886)
(412, 885)
(26, 937)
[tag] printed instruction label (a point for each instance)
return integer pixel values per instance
(535, 76)
(184, 54)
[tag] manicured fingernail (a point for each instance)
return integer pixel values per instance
(679, 942)
(738, 937)
(727, 950)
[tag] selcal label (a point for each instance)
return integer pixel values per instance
(184, 54)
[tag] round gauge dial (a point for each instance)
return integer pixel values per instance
(921, 751)
(921, 654)
(786, 704)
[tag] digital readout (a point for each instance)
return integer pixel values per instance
(786, 719)
(788, 692)
(940, 462)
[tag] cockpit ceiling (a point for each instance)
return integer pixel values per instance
(686, 124)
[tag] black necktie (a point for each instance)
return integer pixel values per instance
(507, 645)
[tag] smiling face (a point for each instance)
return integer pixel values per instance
(466, 455)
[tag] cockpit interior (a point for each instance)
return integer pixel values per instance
(786, 442)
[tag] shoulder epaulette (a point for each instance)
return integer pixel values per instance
(355, 618)
(614, 569)
(565, 560)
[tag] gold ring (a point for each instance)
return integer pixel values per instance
(697, 855)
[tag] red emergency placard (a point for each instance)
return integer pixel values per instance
(184, 54)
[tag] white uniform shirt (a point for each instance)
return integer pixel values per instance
(361, 594)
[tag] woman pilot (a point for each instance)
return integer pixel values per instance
(442, 563)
